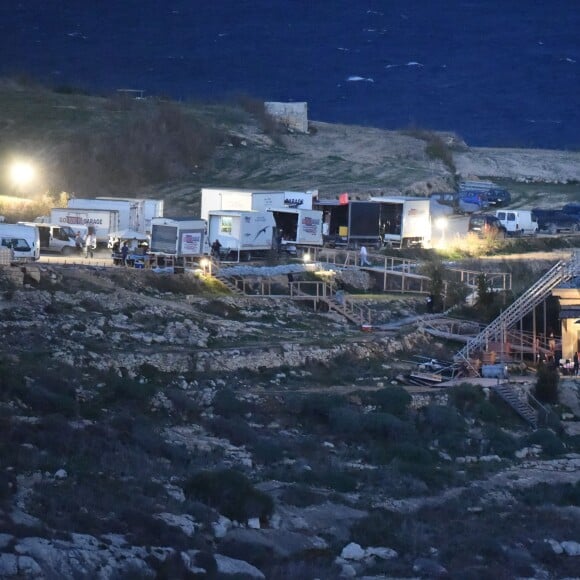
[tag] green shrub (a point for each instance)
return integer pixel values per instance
(226, 404)
(302, 496)
(379, 528)
(394, 400)
(122, 388)
(411, 453)
(546, 389)
(565, 494)
(486, 412)
(230, 493)
(236, 430)
(435, 476)
(318, 406)
(500, 442)
(345, 420)
(443, 419)
(551, 444)
(466, 397)
(388, 426)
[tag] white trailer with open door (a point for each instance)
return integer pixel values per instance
(405, 221)
(301, 227)
(242, 234)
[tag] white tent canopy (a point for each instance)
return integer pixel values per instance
(128, 234)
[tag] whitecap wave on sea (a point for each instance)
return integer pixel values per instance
(355, 79)
(410, 63)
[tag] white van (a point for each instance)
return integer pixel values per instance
(55, 237)
(24, 241)
(518, 222)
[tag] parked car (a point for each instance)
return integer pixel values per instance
(486, 224)
(572, 208)
(555, 221)
(499, 197)
(517, 222)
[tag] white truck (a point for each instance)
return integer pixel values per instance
(150, 208)
(298, 226)
(177, 237)
(405, 221)
(102, 222)
(59, 238)
(242, 234)
(23, 241)
(518, 222)
(215, 199)
(130, 211)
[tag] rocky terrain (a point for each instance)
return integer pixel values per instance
(155, 426)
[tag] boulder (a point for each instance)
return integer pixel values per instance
(232, 567)
(352, 551)
(571, 548)
(280, 543)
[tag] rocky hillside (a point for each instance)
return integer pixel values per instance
(155, 426)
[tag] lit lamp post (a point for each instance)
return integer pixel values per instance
(21, 174)
(206, 265)
(441, 224)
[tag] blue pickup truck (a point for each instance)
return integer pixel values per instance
(554, 221)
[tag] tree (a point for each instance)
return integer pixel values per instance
(547, 384)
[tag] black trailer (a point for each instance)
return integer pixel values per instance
(350, 224)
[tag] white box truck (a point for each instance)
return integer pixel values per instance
(405, 221)
(178, 237)
(298, 226)
(242, 234)
(518, 222)
(130, 211)
(213, 199)
(151, 208)
(103, 222)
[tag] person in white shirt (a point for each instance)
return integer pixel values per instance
(363, 256)
(90, 245)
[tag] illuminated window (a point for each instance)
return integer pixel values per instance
(226, 225)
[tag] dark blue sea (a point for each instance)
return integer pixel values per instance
(497, 72)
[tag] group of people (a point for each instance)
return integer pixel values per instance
(89, 243)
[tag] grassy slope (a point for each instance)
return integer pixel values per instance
(333, 158)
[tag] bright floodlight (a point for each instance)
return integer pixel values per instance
(204, 262)
(306, 258)
(21, 173)
(441, 223)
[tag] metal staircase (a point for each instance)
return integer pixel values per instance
(562, 271)
(352, 312)
(519, 405)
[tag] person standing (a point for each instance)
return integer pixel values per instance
(78, 242)
(364, 256)
(216, 249)
(124, 253)
(575, 359)
(90, 245)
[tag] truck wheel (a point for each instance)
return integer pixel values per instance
(575, 228)
(552, 229)
(67, 251)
